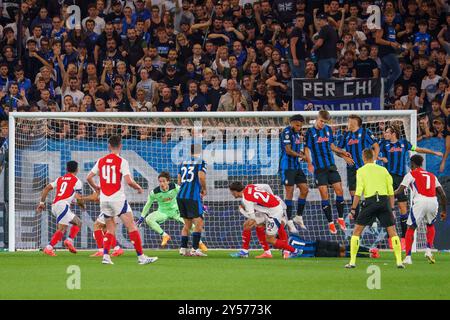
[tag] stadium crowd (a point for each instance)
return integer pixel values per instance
(221, 55)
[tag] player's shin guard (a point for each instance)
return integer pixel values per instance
(397, 247)
(74, 231)
(107, 241)
(98, 236)
(283, 245)
(354, 247)
(301, 206)
(196, 236)
(261, 234)
(431, 232)
(246, 237)
(57, 236)
(184, 241)
(135, 238)
(409, 239)
(327, 210)
(288, 208)
(403, 225)
(340, 206)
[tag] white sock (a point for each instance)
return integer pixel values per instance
(245, 250)
(165, 234)
(116, 248)
(268, 252)
(49, 247)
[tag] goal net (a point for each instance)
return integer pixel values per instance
(236, 147)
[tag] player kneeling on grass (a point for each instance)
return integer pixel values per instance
(375, 183)
(324, 248)
(166, 197)
(68, 188)
(259, 198)
(424, 186)
(113, 203)
(99, 235)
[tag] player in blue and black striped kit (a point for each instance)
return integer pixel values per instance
(394, 152)
(192, 181)
(319, 155)
(291, 173)
(355, 140)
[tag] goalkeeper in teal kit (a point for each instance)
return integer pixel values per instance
(166, 197)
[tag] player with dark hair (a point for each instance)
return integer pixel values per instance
(113, 203)
(424, 187)
(192, 181)
(166, 197)
(290, 170)
(319, 155)
(394, 152)
(324, 248)
(68, 187)
(354, 141)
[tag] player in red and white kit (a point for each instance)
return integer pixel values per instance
(259, 198)
(424, 186)
(113, 203)
(68, 187)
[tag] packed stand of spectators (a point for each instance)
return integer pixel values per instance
(219, 55)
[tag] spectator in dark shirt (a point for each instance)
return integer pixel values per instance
(325, 48)
(364, 66)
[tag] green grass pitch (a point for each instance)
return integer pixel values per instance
(31, 275)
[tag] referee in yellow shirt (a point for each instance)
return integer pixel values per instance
(375, 183)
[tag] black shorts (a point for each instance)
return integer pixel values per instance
(327, 248)
(372, 209)
(351, 178)
(397, 180)
(292, 177)
(189, 208)
(327, 176)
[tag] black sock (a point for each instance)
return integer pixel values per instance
(403, 226)
(184, 241)
(301, 206)
(327, 210)
(288, 208)
(196, 239)
(340, 206)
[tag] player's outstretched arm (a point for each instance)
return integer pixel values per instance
(44, 194)
(428, 151)
(308, 160)
(133, 184)
(400, 190)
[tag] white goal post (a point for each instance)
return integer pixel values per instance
(237, 146)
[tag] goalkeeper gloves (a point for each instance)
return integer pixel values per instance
(140, 221)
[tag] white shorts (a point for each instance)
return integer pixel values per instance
(101, 219)
(423, 210)
(62, 212)
(114, 208)
(273, 220)
(260, 218)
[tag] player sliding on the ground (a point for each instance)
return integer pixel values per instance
(166, 197)
(256, 198)
(113, 203)
(68, 187)
(260, 224)
(319, 155)
(424, 186)
(192, 181)
(291, 172)
(324, 248)
(375, 183)
(354, 141)
(99, 235)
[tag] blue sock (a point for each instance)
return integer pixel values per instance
(196, 239)
(184, 241)
(288, 208)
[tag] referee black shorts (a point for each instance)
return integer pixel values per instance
(351, 178)
(327, 176)
(376, 208)
(397, 180)
(189, 208)
(292, 177)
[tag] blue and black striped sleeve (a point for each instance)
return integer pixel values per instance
(341, 142)
(309, 139)
(330, 131)
(408, 144)
(370, 138)
(286, 138)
